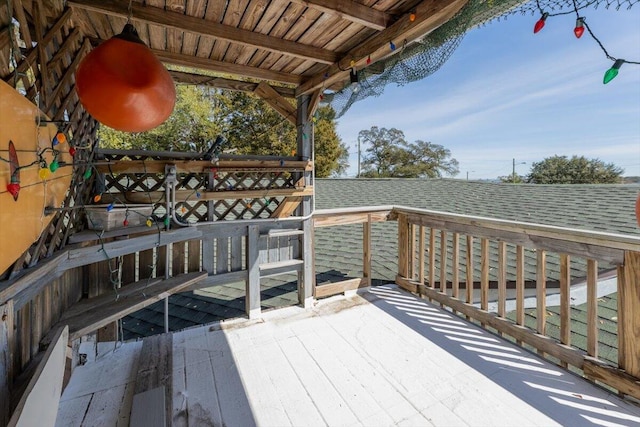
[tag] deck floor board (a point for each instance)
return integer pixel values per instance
(382, 357)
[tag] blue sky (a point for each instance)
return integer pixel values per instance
(508, 93)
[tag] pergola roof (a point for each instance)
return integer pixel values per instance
(304, 45)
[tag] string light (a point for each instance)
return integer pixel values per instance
(54, 165)
(540, 24)
(14, 187)
(578, 30)
(368, 59)
(43, 173)
(97, 198)
(72, 151)
(149, 222)
(392, 46)
(87, 173)
(412, 16)
(613, 71)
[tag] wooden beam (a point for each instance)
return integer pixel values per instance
(91, 254)
(226, 84)
(100, 311)
(202, 27)
(313, 103)
(287, 207)
(202, 166)
(340, 287)
(183, 195)
(39, 403)
(225, 67)
(430, 14)
(610, 375)
(273, 98)
(350, 11)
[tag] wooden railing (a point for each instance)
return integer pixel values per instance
(432, 279)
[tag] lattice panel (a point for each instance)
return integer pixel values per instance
(39, 52)
(191, 186)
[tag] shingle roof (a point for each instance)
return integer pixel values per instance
(608, 208)
(600, 207)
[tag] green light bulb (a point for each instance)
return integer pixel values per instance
(613, 71)
(54, 165)
(87, 174)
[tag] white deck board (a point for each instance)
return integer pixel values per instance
(379, 358)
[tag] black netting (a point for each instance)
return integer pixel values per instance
(423, 57)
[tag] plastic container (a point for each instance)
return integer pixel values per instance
(99, 218)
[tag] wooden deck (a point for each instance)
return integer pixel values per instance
(382, 357)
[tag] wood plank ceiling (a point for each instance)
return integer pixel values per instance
(298, 47)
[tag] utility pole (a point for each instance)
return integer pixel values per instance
(358, 156)
(513, 173)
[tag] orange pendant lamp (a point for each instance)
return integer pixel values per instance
(123, 85)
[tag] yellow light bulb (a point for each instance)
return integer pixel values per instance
(43, 173)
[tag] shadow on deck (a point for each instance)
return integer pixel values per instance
(383, 357)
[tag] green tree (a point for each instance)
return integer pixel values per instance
(513, 179)
(249, 125)
(390, 155)
(193, 124)
(576, 170)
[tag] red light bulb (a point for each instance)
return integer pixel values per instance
(72, 151)
(540, 24)
(14, 188)
(125, 222)
(579, 29)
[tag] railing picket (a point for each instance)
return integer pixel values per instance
(502, 278)
(455, 267)
(443, 261)
(592, 308)
(412, 251)
(432, 257)
(421, 249)
(469, 267)
(541, 293)
(484, 276)
(565, 309)
(519, 286)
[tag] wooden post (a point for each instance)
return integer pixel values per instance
(366, 250)
(306, 279)
(628, 318)
(252, 304)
